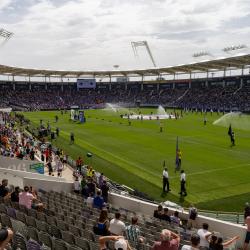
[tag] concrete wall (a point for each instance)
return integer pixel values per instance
(47, 183)
(24, 174)
(16, 164)
(12, 178)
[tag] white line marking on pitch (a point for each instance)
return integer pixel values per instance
(214, 170)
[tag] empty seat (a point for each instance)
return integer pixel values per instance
(94, 246)
(20, 227)
(72, 247)
(59, 244)
(23, 208)
(5, 220)
(42, 226)
(75, 230)
(43, 247)
(68, 237)
(69, 220)
(19, 242)
(3, 208)
(62, 225)
(21, 216)
(80, 224)
(89, 235)
(31, 221)
(45, 239)
(51, 220)
(32, 212)
(82, 243)
(55, 231)
(41, 216)
(33, 233)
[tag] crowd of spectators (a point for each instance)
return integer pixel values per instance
(216, 98)
(13, 143)
(213, 97)
(91, 185)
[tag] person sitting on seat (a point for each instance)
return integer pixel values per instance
(168, 241)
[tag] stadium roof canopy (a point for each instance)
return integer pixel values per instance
(219, 64)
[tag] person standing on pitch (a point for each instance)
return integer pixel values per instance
(165, 181)
(183, 183)
(161, 126)
(232, 139)
(179, 155)
(205, 120)
(72, 138)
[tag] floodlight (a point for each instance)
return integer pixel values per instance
(6, 34)
(234, 47)
(142, 44)
(201, 53)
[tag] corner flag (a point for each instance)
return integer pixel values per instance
(176, 152)
(229, 130)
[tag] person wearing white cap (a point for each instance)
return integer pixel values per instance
(168, 241)
(120, 242)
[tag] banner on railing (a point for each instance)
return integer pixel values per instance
(37, 167)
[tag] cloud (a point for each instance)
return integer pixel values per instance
(96, 34)
(4, 4)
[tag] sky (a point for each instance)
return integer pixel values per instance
(97, 34)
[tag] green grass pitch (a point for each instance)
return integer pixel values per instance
(218, 176)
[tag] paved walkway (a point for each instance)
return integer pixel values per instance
(67, 172)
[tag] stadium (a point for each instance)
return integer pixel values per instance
(147, 148)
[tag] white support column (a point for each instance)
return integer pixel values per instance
(46, 86)
(61, 84)
(190, 80)
(174, 82)
(142, 86)
(126, 86)
(207, 79)
(13, 83)
(158, 87)
(110, 86)
(241, 79)
(29, 84)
